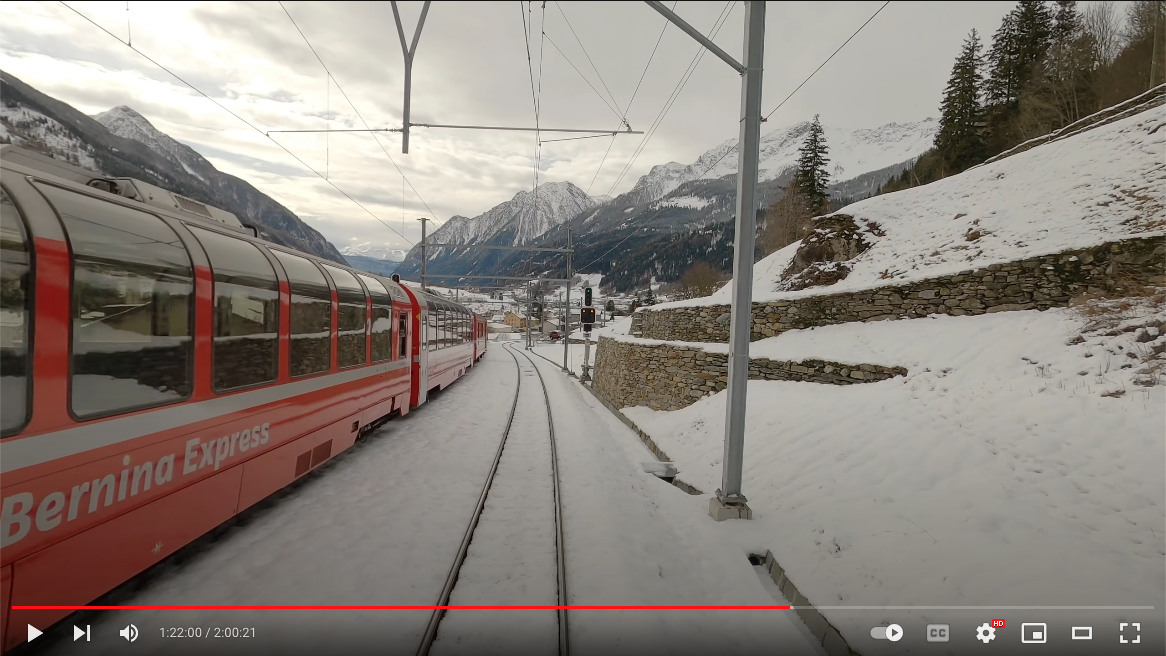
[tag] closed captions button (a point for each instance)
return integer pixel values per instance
(938, 632)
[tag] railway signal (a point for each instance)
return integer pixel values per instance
(587, 296)
(587, 317)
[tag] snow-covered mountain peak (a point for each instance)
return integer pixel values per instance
(517, 221)
(126, 122)
(852, 153)
(377, 251)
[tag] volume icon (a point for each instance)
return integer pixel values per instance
(130, 633)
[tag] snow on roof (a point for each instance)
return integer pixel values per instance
(1100, 185)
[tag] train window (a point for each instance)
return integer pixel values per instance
(402, 335)
(310, 317)
(15, 309)
(133, 294)
(431, 328)
(246, 333)
(352, 323)
(382, 319)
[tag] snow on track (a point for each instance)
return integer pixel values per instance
(379, 525)
(632, 539)
(512, 559)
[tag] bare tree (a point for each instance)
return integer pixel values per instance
(700, 280)
(1101, 22)
(786, 221)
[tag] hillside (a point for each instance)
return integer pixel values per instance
(1031, 438)
(1103, 184)
(122, 143)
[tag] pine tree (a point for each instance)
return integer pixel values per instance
(958, 141)
(811, 178)
(1002, 84)
(650, 297)
(1067, 23)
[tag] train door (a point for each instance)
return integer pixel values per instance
(423, 356)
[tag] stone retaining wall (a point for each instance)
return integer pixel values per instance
(1035, 283)
(670, 377)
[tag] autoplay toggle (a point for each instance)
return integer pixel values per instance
(894, 633)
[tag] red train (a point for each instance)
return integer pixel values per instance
(163, 369)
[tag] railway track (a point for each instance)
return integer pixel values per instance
(509, 549)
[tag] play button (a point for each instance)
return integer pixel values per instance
(894, 632)
(33, 633)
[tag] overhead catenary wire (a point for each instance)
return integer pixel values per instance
(724, 16)
(588, 56)
(615, 109)
(733, 148)
(808, 78)
(240, 118)
(356, 111)
(632, 100)
(725, 13)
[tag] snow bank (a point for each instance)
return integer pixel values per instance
(1101, 185)
(1006, 468)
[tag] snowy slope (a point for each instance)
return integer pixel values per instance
(32, 129)
(852, 153)
(1004, 460)
(1103, 184)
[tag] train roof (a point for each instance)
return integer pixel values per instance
(431, 300)
(172, 204)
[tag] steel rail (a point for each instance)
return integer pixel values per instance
(451, 579)
(560, 554)
(438, 614)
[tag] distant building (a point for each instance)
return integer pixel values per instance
(514, 320)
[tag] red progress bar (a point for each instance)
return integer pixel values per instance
(402, 607)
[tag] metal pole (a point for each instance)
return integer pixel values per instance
(586, 356)
(741, 321)
(529, 293)
(567, 314)
(423, 253)
(408, 51)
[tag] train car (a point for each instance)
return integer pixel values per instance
(445, 350)
(163, 369)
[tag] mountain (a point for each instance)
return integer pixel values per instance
(852, 153)
(366, 256)
(677, 214)
(122, 143)
(515, 222)
(370, 250)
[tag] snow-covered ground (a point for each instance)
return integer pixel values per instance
(1103, 184)
(1017, 463)
(381, 523)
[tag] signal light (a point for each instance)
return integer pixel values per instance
(587, 296)
(587, 315)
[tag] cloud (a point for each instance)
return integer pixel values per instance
(471, 68)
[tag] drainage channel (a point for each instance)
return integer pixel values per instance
(512, 552)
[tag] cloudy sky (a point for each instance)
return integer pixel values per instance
(470, 68)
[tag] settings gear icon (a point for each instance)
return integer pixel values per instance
(985, 633)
